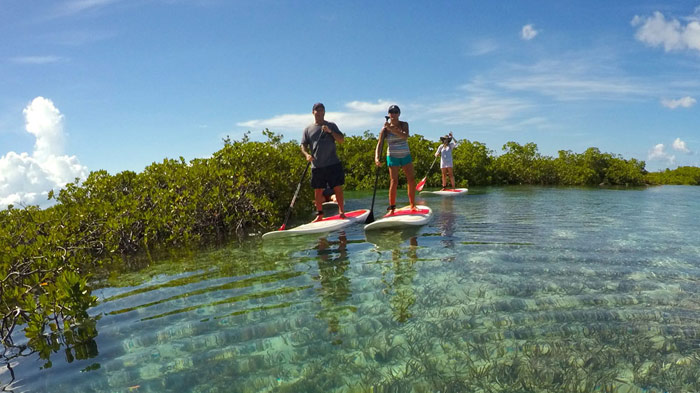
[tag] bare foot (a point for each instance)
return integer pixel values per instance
(318, 218)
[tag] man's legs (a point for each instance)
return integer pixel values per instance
(340, 199)
(318, 199)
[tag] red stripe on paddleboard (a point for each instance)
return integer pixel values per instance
(453, 190)
(352, 214)
(407, 212)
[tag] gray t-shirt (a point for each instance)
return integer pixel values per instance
(325, 154)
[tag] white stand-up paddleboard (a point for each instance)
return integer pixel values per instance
(327, 224)
(448, 192)
(404, 217)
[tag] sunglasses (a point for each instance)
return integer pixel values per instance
(394, 111)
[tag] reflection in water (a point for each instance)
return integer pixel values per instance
(77, 342)
(80, 342)
(399, 274)
(391, 239)
(447, 222)
(401, 285)
(335, 286)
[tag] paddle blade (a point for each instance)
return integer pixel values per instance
(421, 184)
(370, 218)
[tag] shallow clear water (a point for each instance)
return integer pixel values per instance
(507, 289)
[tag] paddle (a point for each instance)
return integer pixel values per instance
(303, 175)
(370, 217)
(421, 184)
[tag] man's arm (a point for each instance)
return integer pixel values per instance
(335, 132)
(308, 156)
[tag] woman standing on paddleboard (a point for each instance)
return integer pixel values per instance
(445, 153)
(398, 156)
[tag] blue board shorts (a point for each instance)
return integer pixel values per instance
(328, 176)
(392, 161)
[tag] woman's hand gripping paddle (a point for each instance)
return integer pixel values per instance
(303, 175)
(421, 184)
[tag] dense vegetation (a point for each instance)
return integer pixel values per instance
(474, 164)
(47, 255)
(685, 175)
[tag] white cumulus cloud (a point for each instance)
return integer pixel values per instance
(670, 33)
(27, 178)
(358, 116)
(528, 32)
(685, 102)
(369, 107)
(658, 153)
(45, 122)
(680, 145)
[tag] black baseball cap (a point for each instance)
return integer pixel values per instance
(318, 105)
(394, 108)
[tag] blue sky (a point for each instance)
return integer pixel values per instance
(118, 84)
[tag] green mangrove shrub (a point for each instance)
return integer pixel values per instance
(684, 175)
(48, 255)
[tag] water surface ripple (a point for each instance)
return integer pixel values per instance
(507, 289)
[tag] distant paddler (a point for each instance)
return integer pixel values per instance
(445, 153)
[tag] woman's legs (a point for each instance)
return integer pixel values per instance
(452, 176)
(411, 180)
(444, 180)
(393, 184)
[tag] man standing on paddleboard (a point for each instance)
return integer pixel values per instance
(320, 138)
